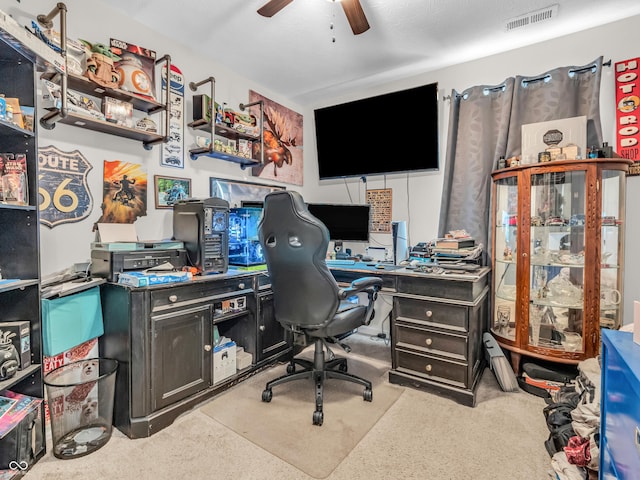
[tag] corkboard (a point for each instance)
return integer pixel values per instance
(381, 203)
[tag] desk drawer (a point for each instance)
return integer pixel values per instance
(431, 342)
(427, 313)
(433, 285)
(193, 293)
(432, 368)
(342, 276)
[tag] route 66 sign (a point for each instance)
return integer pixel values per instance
(63, 190)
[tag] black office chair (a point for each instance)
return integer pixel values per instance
(307, 299)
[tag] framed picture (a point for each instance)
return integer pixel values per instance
(171, 189)
(240, 194)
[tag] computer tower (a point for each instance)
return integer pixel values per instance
(203, 226)
(400, 242)
(245, 249)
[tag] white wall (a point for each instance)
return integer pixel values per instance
(416, 197)
(69, 243)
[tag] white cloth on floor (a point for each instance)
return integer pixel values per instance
(565, 470)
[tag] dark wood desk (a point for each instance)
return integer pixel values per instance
(437, 324)
(163, 338)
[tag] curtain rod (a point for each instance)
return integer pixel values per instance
(578, 70)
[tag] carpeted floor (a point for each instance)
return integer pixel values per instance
(285, 427)
(421, 436)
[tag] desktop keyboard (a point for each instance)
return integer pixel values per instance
(340, 262)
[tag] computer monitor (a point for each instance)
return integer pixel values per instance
(346, 223)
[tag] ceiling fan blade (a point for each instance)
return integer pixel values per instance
(355, 15)
(272, 7)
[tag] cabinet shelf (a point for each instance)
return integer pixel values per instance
(8, 285)
(9, 206)
(19, 376)
(22, 54)
(8, 128)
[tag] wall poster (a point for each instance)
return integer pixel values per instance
(62, 186)
(381, 203)
(124, 192)
(282, 127)
(173, 149)
(627, 103)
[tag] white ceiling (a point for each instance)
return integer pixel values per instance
(293, 52)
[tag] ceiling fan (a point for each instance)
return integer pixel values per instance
(352, 9)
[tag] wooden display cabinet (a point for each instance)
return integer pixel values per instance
(557, 238)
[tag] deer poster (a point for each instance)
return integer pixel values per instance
(282, 127)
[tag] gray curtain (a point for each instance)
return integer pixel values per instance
(478, 128)
(560, 93)
(485, 122)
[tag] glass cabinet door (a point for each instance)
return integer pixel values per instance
(556, 265)
(505, 238)
(612, 235)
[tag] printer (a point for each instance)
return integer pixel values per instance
(109, 264)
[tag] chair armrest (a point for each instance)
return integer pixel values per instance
(364, 284)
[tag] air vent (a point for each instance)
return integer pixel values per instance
(532, 18)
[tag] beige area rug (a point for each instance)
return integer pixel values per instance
(284, 426)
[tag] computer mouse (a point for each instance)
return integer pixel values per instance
(414, 263)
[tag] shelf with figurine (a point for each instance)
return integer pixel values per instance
(103, 86)
(234, 136)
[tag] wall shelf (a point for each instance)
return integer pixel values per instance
(88, 87)
(223, 130)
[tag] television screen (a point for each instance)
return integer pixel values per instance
(349, 223)
(391, 133)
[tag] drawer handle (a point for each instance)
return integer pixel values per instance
(173, 298)
(207, 348)
(428, 341)
(429, 313)
(427, 368)
(241, 286)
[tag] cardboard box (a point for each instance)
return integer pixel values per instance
(201, 112)
(224, 361)
(142, 279)
(20, 332)
(136, 68)
(82, 105)
(18, 431)
(118, 112)
(243, 359)
(539, 137)
(51, 95)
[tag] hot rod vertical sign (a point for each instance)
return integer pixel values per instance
(627, 109)
(63, 190)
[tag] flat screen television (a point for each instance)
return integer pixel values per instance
(348, 223)
(391, 133)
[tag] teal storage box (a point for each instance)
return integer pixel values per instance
(71, 320)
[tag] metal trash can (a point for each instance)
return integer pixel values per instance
(80, 398)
